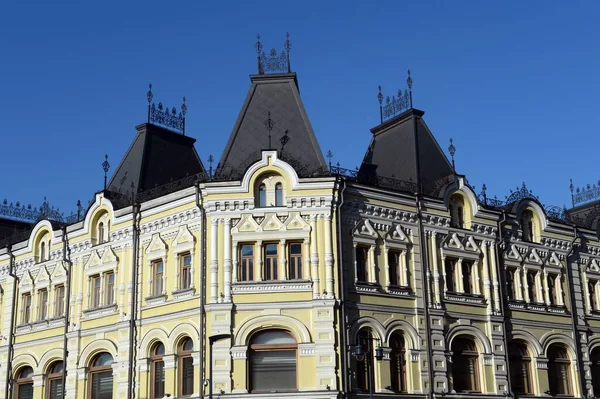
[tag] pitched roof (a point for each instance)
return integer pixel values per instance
(279, 95)
(392, 153)
(157, 156)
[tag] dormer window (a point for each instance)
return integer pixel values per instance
(527, 225)
(457, 211)
(43, 252)
(101, 229)
(100, 233)
(269, 191)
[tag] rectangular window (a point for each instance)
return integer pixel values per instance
(394, 264)
(158, 268)
(467, 269)
(270, 272)
(185, 271)
(510, 283)
(246, 266)
(95, 292)
(187, 376)
(43, 304)
(531, 287)
(362, 254)
(450, 265)
(295, 261)
(109, 289)
(552, 288)
(59, 295)
(592, 294)
(26, 309)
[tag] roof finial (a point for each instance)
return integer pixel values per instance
(258, 46)
(572, 188)
(452, 150)
(183, 112)
(380, 99)
(284, 140)
(329, 156)
(269, 124)
(484, 193)
(288, 46)
(149, 96)
(409, 83)
(210, 162)
(105, 166)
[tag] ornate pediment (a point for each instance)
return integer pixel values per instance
(554, 260)
(534, 257)
(157, 246)
(469, 244)
(513, 253)
(594, 266)
(365, 229)
(271, 223)
(109, 256)
(42, 278)
(296, 222)
(396, 234)
(26, 282)
(184, 240)
(246, 224)
(453, 242)
(93, 260)
(59, 274)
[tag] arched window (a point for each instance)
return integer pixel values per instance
(55, 374)
(186, 367)
(464, 365)
(510, 283)
(520, 368)
(101, 377)
(278, 194)
(363, 339)
(527, 225)
(42, 251)
(273, 362)
(531, 287)
(262, 196)
(559, 374)
(398, 363)
(592, 297)
(100, 233)
(24, 383)
(595, 370)
(457, 211)
(157, 379)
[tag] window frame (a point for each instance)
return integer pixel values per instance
(520, 361)
(559, 366)
(156, 359)
(278, 194)
(468, 358)
(157, 278)
(95, 288)
(398, 371)
(59, 308)
(182, 356)
(53, 377)
(42, 304)
(262, 195)
(185, 271)
(295, 266)
(95, 370)
(253, 348)
(109, 289)
(26, 308)
(271, 262)
(246, 263)
(362, 269)
(20, 381)
(393, 259)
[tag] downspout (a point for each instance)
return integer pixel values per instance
(344, 343)
(133, 309)
(501, 277)
(424, 270)
(574, 316)
(9, 380)
(202, 270)
(67, 304)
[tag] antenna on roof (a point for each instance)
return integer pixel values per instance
(269, 124)
(452, 150)
(329, 156)
(106, 167)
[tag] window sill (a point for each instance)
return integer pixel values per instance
(363, 286)
(252, 287)
(399, 290)
(155, 299)
(100, 311)
(536, 307)
(184, 293)
(461, 297)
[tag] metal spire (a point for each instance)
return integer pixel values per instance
(210, 162)
(572, 188)
(149, 96)
(269, 124)
(288, 46)
(329, 157)
(258, 46)
(380, 99)
(409, 83)
(106, 167)
(452, 150)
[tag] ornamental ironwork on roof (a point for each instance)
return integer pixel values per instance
(19, 212)
(397, 103)
(274, 62)
(589, 193)
(163, 116)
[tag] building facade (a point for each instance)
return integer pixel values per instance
(281, 275)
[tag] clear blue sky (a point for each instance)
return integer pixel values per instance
(515, 85)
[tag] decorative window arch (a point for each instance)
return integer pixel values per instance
(273, 364)
(100, 227)
(364, 337)
(269, 191)
(520, 367)
(100, 376)
(595, 369)
(24, 383)
(527, 225)
(559, 371)
(43, 247)
(457, 211)
(185, 366)
(464, 367)
(54, 378)
(157, 370)
(398, 367)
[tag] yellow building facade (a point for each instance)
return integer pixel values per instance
(280, 275)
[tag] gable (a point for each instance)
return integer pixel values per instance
(364, 229)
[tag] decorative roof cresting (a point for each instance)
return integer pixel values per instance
(274, 62)
(162, 116)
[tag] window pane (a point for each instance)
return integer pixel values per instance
(271, 249)
(102, 384)
(104, 359)
(274, 370)
(273, 337)
(188, 345)
(26, 372)
(262, 196)
(55, 390)
(279, 194)
(247, 250)
(25, 391)
(159, 379)
(187, 376)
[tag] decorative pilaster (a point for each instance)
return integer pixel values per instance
(518, 285)
(404, 268)
(538, 286)
(586, 290)
(283, 272)
(235, 262)
(525, 286)
(444, 283)
(371, 266)
(386, 253)
(214, 264)
(494, 275)
(328, 257)
(559, 290)
(459, 276)
(227, 259)
(258, 261)
(546, 290)
(436, 273)
(314, 255)
(475, 277)
(485, 272)
(307, 261)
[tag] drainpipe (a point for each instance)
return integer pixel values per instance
(9, 380)
(574, 316)
(67, 304)
(344, 343)
(424, 269)
(202, 270)
(133, 310)
(501, 277)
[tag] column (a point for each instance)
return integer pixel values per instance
(404, 268)
(546, 292)
(436, 271)
(354, 245)
(164, 278)
(227, 260)
(586, 290)
(475, 277)
(258, 261)
(371, 266)
(518, 286)
(444, 283)
(214, 264)
(559, 290)
(494, 274)
(597, 293)
(307, 261)
(459, 276)
(314, 255)
(192, 268)
(235, 262)
(386, 253)
(283, 272)
(485, 272)
(538, 286)
(328, 257)
(525, 286)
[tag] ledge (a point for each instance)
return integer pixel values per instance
(399, 290)
(252, 287)
(363, 286)
(536, 307)
(180, 294)
(155, 299)
(471, 299)
(100, 311)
